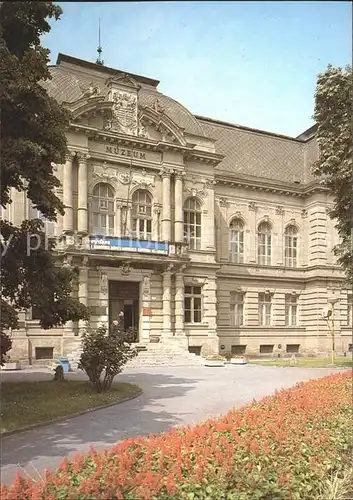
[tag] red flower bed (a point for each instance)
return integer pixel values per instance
(281, 447)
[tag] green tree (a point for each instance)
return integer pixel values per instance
(33, 139)
(334, 118)
(106, 352)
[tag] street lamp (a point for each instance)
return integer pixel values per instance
(331, 315)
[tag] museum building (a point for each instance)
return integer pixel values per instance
(204, 234)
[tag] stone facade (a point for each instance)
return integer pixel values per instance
(207, 234)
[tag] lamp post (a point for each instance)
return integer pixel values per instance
(332, 301)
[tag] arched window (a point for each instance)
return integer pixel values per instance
(264, 244)
(103, 213)
(236, 242)
(290, 246)
(142, 215)
(192, 223)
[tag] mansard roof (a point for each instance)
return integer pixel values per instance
(247, 151)
(266, 155)
(71, 77)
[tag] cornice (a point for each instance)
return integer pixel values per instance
(268, 186)
(138, 142)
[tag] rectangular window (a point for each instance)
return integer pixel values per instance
(292, 348)
(35, 314)
(236, 309)
(192, 304)
(350, 310)
(266, 348)
(291, 310)
(44, 352)
(238, 350)
(265, 309)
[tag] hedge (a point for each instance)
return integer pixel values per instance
(280, 448)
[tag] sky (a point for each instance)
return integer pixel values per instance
(250, 63)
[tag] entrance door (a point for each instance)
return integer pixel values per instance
(124, 297)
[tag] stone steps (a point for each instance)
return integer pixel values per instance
(172, 353)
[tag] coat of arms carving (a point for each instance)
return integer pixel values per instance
(124, 113)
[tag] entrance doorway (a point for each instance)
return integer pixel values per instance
(124, 296)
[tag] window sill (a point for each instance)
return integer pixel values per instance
(195, 325)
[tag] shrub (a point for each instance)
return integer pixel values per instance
(107, 352)
(280, 448)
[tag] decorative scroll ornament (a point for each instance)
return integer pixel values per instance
(103, 172)
(140, 178)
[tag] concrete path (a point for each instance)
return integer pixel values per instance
(172, 397)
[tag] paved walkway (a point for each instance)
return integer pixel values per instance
(171, 397)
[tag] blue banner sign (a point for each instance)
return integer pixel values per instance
(128, 245)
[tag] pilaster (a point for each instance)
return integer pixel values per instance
(210, 306)
(278, 309)
(179, 302)
(82, 189)
(252, 244)
(145, 290)
(67, 194)
(167, 282)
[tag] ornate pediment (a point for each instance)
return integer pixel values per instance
(122, 80)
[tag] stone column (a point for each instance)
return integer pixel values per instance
(166, 220)
(179, 303)
(167, 282)
(82, 198)
(68, 222)
(178, 210)
(83, 292)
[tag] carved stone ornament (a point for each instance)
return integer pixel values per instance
(124, 113)
(104, 284)
(223, 202)
(92, 91)
(304, 213)
(252, 206)
(141, 130)
(279, 210)
(157, 106)
(143, 179)
(193, 191)
(103, 172)
(146, 288)
(125, 269)
(125, 177)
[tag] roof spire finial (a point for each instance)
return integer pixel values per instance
(99, 49)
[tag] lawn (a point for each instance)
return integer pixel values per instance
(307, 362)
(28, 403)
